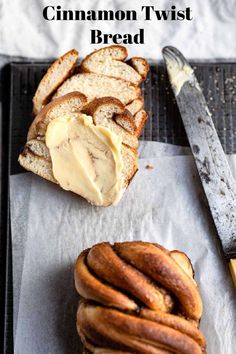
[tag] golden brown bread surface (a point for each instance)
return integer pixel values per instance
(104, 261)
(161, 307)
(56, 74)
(67, 104)
(88, 285)
(119, 330)
(162, 268)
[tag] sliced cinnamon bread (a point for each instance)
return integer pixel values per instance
(97, 86)
(102, 92)
(109, 61)
(55, 76)
(68, 104)
(36, 156)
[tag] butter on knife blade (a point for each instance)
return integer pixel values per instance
(179, 73)
(211, 162)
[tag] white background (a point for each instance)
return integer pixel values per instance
(211, 33)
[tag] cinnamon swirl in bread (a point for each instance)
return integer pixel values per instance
(138, 297)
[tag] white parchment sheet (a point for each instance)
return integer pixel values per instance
(20, 189)
(164, 204)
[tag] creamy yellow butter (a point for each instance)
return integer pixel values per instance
(86, 159)
(178, 76)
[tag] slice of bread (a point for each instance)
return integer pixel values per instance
(126, 121)
(103, 110)
(133, 124)
(140, 65)
(135, 105)
(139, 120)
(109, 61)
(68, 104)
(97, 86)
(35, 156)
(56, 74)
(130, 167)
(104, 73)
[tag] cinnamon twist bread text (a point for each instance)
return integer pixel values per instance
(137, 297)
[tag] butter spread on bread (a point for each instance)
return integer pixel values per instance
(36, 156)
(86, 159)
(104, 86)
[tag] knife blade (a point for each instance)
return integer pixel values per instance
(213, 168)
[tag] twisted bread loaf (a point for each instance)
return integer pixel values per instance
(137, 297)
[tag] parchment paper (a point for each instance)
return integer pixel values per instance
(165, 205)
(20, 189)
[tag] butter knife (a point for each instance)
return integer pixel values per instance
(215, 174)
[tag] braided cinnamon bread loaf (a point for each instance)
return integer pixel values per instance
(137, 297)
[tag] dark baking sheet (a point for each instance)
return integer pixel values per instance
(19, 82)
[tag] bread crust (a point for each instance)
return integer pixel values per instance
(140, 103)
(99, 105)
(126, 121)
(142, 118)
(39, 98)
(110, 52)
(161, 267)
(134, 61)
(107, 265)
(91, 287)
(175, 322)
(123, 50)
(144, 330)
(92, 107)
(34, 128)
(104, 326)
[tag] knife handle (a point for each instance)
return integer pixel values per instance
(232, 267)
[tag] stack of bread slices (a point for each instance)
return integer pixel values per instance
(105, 87)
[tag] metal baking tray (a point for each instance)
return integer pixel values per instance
(18, 84)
